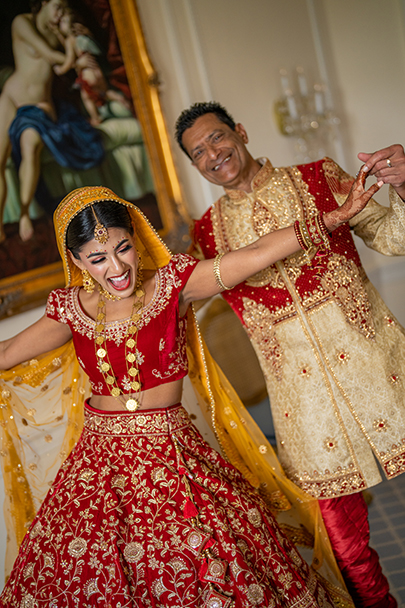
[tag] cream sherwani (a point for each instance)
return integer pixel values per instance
(332, 353)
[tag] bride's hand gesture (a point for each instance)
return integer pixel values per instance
(357, 199)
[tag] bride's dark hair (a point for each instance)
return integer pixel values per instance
(81, 229)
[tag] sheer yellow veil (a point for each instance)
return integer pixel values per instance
(42, 401)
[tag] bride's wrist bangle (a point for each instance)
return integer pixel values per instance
(217, 273)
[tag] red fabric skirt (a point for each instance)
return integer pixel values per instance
(143, 513)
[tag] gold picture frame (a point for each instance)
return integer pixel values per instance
(29, 289)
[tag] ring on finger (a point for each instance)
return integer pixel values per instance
(389, 163)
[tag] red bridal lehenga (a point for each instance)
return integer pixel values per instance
(144, 513)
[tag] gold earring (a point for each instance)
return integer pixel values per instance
(88, 283)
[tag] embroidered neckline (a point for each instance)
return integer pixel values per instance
(261, 179)
(89, 321)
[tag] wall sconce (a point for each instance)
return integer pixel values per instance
(304, 115)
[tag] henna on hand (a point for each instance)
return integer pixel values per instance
(357, 199)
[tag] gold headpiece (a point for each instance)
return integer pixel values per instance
(100, 231)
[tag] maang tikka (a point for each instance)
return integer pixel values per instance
(100, 231)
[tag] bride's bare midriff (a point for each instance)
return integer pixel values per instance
(162, 396)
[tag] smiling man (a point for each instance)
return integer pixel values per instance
(331, 352)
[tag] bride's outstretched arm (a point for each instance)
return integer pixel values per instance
(237, 266)
(41, 337)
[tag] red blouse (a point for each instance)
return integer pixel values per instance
(161, 347)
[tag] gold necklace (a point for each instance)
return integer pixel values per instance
(131, 339)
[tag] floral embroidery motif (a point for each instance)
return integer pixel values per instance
(133, 552)
(28, 601)
(330, 444)
(394, 379)
(86, 475)
(254, 517)
(97, 388)
(342, 356)
(77, 547)
(179, 356)
(36, 530)
(178, 564)
(381, 425)
(255, 594)
(158, 588)
(90, 588)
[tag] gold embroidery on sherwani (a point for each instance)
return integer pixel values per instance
(343, 281)
(316, 346)
(382, 457)
(260, 327)
(240, 218)
(336, 455)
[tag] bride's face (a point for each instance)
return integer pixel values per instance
(114, 264)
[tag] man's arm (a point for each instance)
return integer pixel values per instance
(387, 165)
(381, 228)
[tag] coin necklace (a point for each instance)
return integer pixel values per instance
(132, 403)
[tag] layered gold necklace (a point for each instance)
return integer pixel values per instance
(131, 401)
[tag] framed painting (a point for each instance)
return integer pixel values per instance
(79, 106)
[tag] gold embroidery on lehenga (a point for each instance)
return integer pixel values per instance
(133, 552)
(255, 594)
(77, 547)
(68, 305)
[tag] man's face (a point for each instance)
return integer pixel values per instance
(219, 153)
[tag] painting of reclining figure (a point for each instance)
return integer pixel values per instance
(67, 119)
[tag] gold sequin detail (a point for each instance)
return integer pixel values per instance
(380, 425)
(330, 444)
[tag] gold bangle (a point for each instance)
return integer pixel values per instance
(217, 272)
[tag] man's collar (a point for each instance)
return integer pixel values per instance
(260, 179)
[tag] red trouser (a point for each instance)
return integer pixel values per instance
(347, 524)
